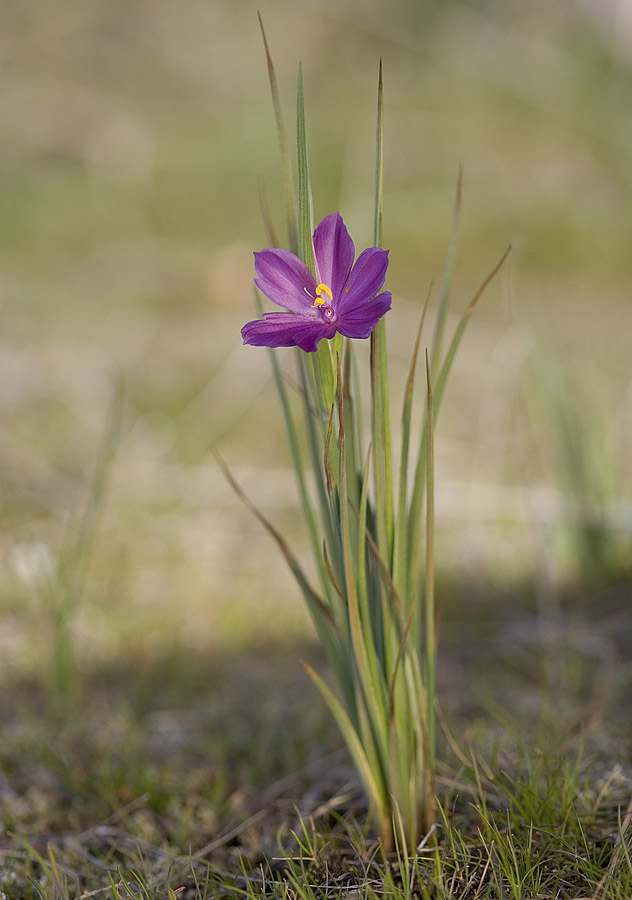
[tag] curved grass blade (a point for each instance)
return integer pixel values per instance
(442, 378)
(314, 600)
(440, 382)
(371, 778)
(448, 273)
(401, 539)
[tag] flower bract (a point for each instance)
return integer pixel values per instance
(344, 296)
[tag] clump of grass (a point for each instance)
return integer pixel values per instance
(538, 831)
(150, 791)
(586, 442)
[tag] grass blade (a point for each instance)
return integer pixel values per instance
(401, 540)
(460, 330)
(370, 775)
(448, 272)
(314, 600)
(430, 629)
(289, 191)
(381, 419)
(361, 636)
(379, 162)
(324, 375)
(304, 209)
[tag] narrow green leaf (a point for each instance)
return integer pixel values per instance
(332, 575)
(430, 629)
(379, 162)
(448, 272)
(305, 226)
(329, 474)
(401, 536)
(298, 465)
(362, 529)
(288, 177)
(324, 374)
(352, 435)
(320, 612)
(381, 421)
(316, 441)
(442, 378)
(314, 601)
(77, 555)
(371, 618)
(373, 783)
(400, 654)
(386, 576)
(363, 648)
(440, 381)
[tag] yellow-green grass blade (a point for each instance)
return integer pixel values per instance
(299, 471)
(401, 536)
(379, 162)
(316, 440)
(324, 375)
(439, 384)
(372, 625)
(381, 420)
(430, 625)
(304, 208)
(367, 662)
(371, 776)
(330, 526)
(64, 592)
(448, 273)
(414, 518)
(324, 370)
(352, 434)
(362, 515)
(78, 552)
(288, 177)
(320, 612)
(314, 600)
(441, 379)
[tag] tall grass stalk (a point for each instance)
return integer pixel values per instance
(373, 607)
(66, 587)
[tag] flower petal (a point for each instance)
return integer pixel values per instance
(285, 279)
(287, 330)
(366, 279)
(334, 252)
(360, 321)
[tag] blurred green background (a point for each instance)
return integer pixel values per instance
(134, 136)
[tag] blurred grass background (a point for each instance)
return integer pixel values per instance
(133, 139)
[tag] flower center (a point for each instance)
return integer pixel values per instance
(320, 290)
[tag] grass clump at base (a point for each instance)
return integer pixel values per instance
(159, 786)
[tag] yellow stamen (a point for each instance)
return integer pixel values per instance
(320, 290)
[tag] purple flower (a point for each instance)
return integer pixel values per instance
(343, 297)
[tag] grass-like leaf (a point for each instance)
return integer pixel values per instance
(289, 191)
(381, 420)
(430, 632)
(401, 538)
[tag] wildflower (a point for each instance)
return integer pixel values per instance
(343, 297)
